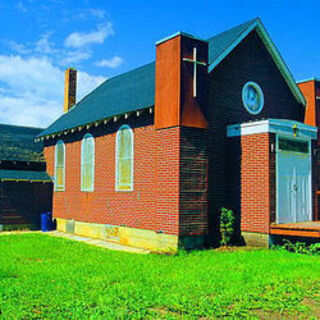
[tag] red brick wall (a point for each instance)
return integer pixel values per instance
(309, 91)
(49, 156)
(255, 183)
(154, 203)
(193, 181)
(166, 200)
(105, 205)
(316, 159)
(272, 172)
(252, 175)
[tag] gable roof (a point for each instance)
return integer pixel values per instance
(220, 43)
(17, 144)
(127, 92)
(135, 90)
(231, 38)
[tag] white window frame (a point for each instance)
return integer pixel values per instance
(62, 187)
(91, 188)
(131, 187)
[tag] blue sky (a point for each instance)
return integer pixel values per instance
(39, 39)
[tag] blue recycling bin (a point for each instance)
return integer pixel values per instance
(46, 221)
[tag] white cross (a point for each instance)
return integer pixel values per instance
(195, 63)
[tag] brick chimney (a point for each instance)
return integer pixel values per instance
(70, 89)
(311, 91)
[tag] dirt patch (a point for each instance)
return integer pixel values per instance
(273, 315)
(33, 259)
(164, 312)
(314, 307)
(237, 249)
(312, 313)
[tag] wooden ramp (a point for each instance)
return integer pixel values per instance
(299, 229)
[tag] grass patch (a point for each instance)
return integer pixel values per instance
(54, 278)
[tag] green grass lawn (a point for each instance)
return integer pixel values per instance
(55, 278)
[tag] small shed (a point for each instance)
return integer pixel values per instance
(25, 187)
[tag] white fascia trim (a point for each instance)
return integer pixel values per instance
(179, 33)
(277, 126)
(280, 62)
(63, 187)
(117, 185)
(262, 32)
(309, 79)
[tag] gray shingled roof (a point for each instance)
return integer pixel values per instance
(131, 91)
(219, 43)
(17, 143)
(21, 175)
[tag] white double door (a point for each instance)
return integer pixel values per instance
(294, 202)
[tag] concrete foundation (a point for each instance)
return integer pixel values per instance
(140, 238)
(256, 239)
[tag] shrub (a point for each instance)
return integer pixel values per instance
(226, 226)
(301, 247)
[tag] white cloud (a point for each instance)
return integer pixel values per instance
(46, 48)
(43, 45)
(79, 39)
(84, 14)
(31, 90)
(114, 62)
(74, 57)
(86, 83)
(18, 47)
(20, 7)
(99, 13)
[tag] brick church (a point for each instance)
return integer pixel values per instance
(150, 157)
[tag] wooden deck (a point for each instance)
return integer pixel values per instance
(299, 229)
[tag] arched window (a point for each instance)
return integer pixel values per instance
(59, 169)
(124, 159)
(87, 163)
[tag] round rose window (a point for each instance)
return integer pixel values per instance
(252, 97)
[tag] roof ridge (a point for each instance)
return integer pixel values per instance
(249, 22)
(19, 126)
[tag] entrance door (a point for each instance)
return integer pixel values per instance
(293, 181)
